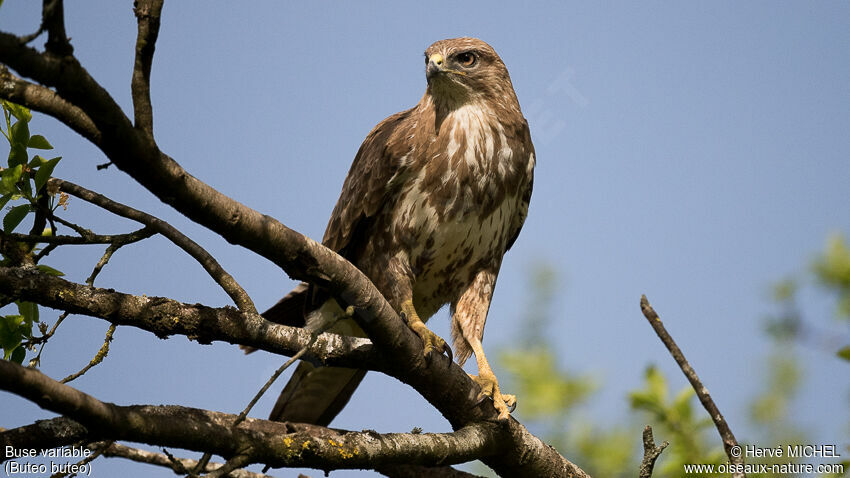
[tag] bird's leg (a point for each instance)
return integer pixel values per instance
(486, 379)
(431, 342)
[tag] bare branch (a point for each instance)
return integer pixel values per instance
(651, 452)
(147, 12)
(166, 317)
(104, 259)
(414, 471)
(726, 434)
(207, 261)
(53, 20)
(159, 459)
(51, 433)
(45, 100)
(130, 237)
(98, 358)
(258, 441)
(97, 451)
(234, 463)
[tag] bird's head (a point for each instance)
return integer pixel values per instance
(463, 69)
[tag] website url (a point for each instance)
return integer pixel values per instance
(730, 468)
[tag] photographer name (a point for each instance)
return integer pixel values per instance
(792, 451)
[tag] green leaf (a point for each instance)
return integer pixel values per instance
(4, 200)
(25, 187)
(17, 155)
(682, 403)
(50, 271)
(844, 353)
(20, 112)
(36, 161)
(28, 310)
(20, 133)
(10, 334)
(656, 383)
(38, 141)
(18, 355)
(9, 179)
(14, 217)
(44, 172)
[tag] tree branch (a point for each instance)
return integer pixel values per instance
(413, 471)
(53, 20)
(45, 100)
(204, 258)
(166, 317)
(96, 360)
(130, 237)
(258, 441)
(160, 459)
(651, 452)
(147, 13)
(726, 434)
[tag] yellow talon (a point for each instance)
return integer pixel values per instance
(503, 402)
(431, 342)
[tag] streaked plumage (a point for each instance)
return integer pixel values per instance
(434, 198)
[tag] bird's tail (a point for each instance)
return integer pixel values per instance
(315, 393)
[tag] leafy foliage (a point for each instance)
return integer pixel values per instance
(552, 397)
(832, 270)
(23, 180)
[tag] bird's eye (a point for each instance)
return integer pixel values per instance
(466, 59)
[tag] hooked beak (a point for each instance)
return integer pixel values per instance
(437, 65)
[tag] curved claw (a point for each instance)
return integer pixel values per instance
(480, 399)
(513, 407)
(448, 351)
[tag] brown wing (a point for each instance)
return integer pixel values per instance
(369, 184)
(523, 137)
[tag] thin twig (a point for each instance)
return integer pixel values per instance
(232, 464)
(176, 464)
(119, 242)
(650, 453)
(729, 441)
(76, 227)
(98, 357)
(88, 239)
(36, 361)
(207, 261)
(45, 252)
(97, 451)
(314, 334)
(117, 450)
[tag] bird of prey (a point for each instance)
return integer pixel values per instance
(435, 196)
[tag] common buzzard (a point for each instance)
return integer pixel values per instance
(434, 198)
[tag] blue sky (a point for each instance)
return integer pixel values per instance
(694, 152)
